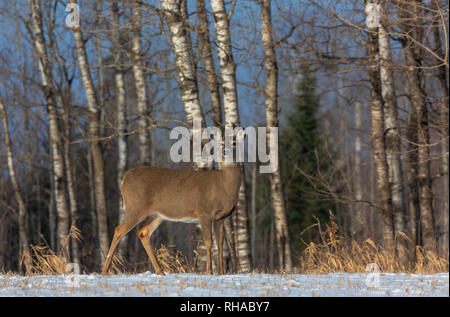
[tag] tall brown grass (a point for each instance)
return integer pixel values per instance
(170, 261)
(334, 253)
(173, 262)
(338, 253)
(44, 261)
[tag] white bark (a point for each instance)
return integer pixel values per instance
(271, 93)
(70, 179)
(54, 133)
(216, 107)
(183, 60)
(393, 153)
(231, 110)
(378, 140)
(94, 134)
(22, 216)
(187, 79)
(141, 90)
(213, 84)
(227, 66)
(100, 84)
(122, 148)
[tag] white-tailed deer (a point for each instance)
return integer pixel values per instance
(153, 194)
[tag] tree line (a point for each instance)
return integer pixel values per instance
(362, 110)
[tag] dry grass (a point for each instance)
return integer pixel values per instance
(170, 262)
(119, 265)
(173, 262)
(44, 261)
(336, 253)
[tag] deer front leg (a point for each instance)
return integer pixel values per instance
(205, 223)
(119, 232)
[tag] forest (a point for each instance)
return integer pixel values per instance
(358, 90)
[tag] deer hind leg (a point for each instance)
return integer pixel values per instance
(119, 232)
(218, 231)
(144, 235)
(205, 223)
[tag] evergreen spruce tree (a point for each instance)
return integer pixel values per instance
(302, 151)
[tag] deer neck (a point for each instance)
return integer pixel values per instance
(232, 176)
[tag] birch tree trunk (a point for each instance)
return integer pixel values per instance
(101, 81)
(146, 137)
(216, 106)
(22, 216)
(175, 15)
(213, 83)
(271, 93)
(94, 134)
(231, 110)
(392, 141)
(378, 140)
(101, 102)
(70, 181)
(141, 89)
(185, 20)
(54, 133)
(183, 60)
(122, 148)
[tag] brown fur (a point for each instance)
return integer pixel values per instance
(154, 193)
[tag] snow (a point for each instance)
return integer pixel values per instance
(149, 284)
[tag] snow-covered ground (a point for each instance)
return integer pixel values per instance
(148, 284)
